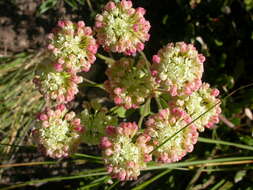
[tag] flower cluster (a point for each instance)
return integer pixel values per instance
(58, 86)
(162, 126)
(71, 49)
(95, 125)
(173, 79)
(129, 83)
(200, 102)
(72, 46)
(178, 68)
(121, 28)
(58, 132)
(123, 158)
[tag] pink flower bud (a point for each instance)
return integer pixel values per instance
(105, 142)
(87, 31)
(61, 24)
(215, 92)
(110, 5)
(58, 67)
(117, 91)
(81, 24)
(140, 46)
(141, 10)
(110, 130)
(43, 117)
(50, 47)
(156, 59)
(201, 58)
(118, 100)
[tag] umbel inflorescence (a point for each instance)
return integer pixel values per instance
(170, 131)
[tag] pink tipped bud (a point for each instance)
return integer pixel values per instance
(61, 24)
(141, 11)
(188, 91)
(140, 46)
(126, 4)
(201, 58)
(76, 122)
(43, 117)
(117, 91)
(92, 49)
(98, 24)
(156, 59)
(60, 61)
(109, 169)
(215, 92)
(147, 158)
(50, 36)
(50, 47)
(122, 176)
(110, 5)
(58, 67)
(154, 73)
(173, 90)
(81, 24)
(108, 152)
(79, 128)
(178, 112)
(110, 130)
(61, 107)
(87, 31)
(136, 27)
(118, 100)
(105, 142)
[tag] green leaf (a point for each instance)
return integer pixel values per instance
(72, 3)
(227, 186)
(239, 175)
(165, 18)
(211, 141)
(119, 111)
(164, 103)
(247, 139)
(218, 43)
(46, 5)
(145, 109)
(95, 104)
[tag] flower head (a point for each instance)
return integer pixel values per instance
(58, 132)
(129, 83)
(178, 68)
(73, 46)
(58, 86)
(200, 102)
(123, 157)
(121, 28)
(162, 126)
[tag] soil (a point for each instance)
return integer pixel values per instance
(22, 28)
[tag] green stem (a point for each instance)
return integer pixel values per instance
(146, 183)
(87, 156)
(211, 141)
(145, 58)
(158, 103)
(90, 6)
(106, 59)
(94, 83)
(199, 162)
(140, 121)
(52, 179)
